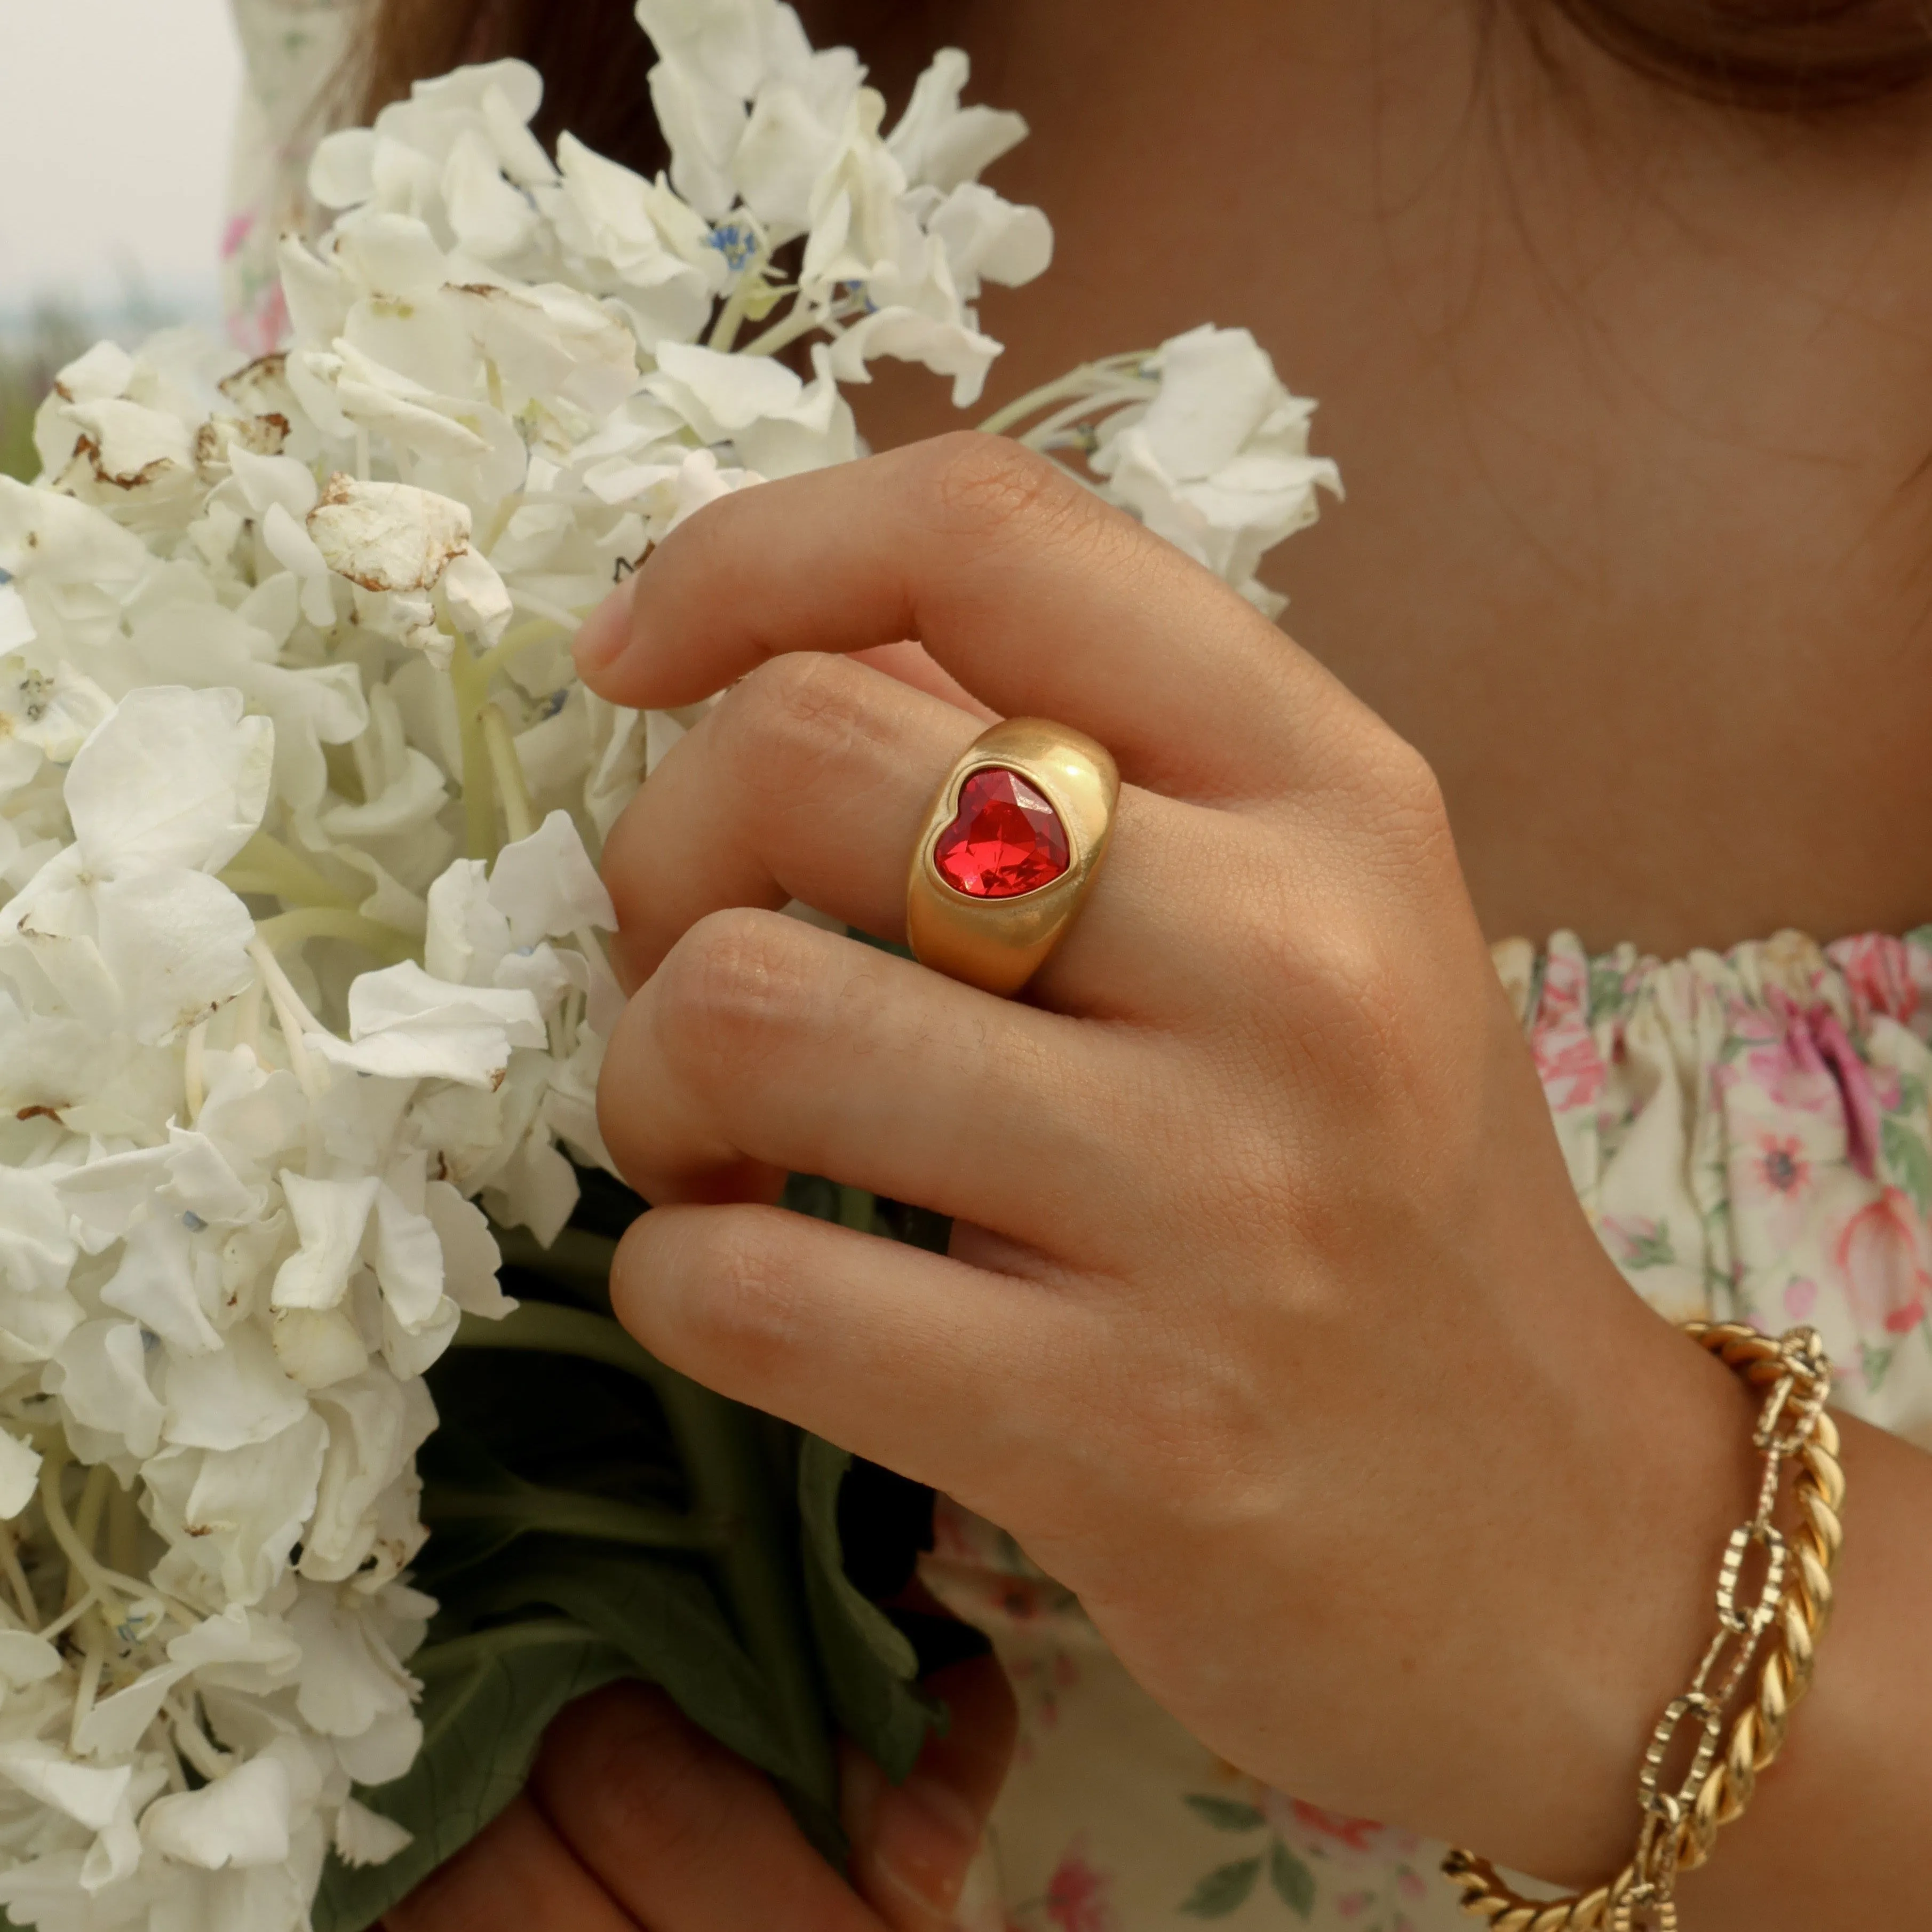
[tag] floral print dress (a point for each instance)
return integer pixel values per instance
(1750, 1134)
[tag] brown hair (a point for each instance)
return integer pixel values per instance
(1784, 55)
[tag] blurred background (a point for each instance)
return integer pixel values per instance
(114, 125)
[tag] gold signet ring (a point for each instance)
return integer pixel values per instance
(1009, 851)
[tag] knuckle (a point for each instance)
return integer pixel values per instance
(627, 1772)
(989, 489)
(743, 1302)
(729, 991)
(1411, 794)
(792, 719)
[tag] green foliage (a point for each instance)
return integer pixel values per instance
(1906, 1156)
(870, 1665)
(1224, 1814)
(486, 1700)
(1224, 1890)
(1293, 1882)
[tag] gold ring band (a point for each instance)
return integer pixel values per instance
(1009, 851)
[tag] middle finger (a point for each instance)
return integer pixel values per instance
(812, 780)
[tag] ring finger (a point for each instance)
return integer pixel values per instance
(811, 781)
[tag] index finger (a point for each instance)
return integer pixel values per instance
(1038, 598)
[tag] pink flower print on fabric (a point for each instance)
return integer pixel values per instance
(1884, 1256)
(1315, 1827)
(1879, 977)
(1077, 1896)
(1567, 1057)
(1804, 1061)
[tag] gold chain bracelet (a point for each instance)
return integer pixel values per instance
(1679, 1828)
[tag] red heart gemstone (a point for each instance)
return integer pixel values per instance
(1005, 840)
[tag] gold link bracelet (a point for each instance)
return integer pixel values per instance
(1788, 1610)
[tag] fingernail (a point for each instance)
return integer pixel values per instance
(924, 1835)
(605, 632)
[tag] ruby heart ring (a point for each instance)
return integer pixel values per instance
(1013, 841)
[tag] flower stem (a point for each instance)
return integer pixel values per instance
(481, 1646)
(1091, 379)
(264, 865)
(519, 814)
(290, 929)
(572, 1513)
(800, 321)
(516, 640)
(479, 815)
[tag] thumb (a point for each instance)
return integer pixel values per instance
(913, 1843)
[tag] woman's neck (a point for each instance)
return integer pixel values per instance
(1633, 399)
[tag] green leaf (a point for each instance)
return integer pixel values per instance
(1224, 1814)
(1906, 1156)
(486, 1700)
(664, 1615)
(1291, 1880)
(1224, 1890)
(871, 1668)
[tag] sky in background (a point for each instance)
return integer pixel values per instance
(114, 125)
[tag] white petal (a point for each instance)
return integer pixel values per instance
(176, 778)
(330, 1218)
(176, 943)
(115, 1725)
(387, 536)
(235, 1398)
(19, 1474)
(406, 1025)
(349, 1679)
(375, 1425)
(100, 1374)
(318, 1346)
(79, 1792)
(366, 1837)
(385, 1750)
(36, 1250)
(945, 348)
(339, 172)
(470, 1259)
(25, 1659)
(546, 886)
(407, 805)
(234, 1515)
(465, 934)
(166, 1285)
(479, 601)
(941, 144)
(241, 1818)
(240, 1649)
(290, 545)
(408, 1260)
(264, 480)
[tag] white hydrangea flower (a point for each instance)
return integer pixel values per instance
(1217, 459)
(301, 969)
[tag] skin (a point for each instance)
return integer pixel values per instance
(1268, 1276)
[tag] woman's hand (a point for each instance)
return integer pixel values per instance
(1271, 1324)
(633, 1819)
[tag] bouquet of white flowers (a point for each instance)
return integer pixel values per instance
(302, 1001)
